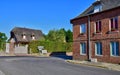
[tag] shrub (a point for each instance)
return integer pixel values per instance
(50, 46)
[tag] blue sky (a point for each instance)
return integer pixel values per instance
(39, 14)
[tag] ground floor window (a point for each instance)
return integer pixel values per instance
(82, 48)
(114, 47)
(98, 48)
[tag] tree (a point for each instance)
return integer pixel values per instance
(3, 39)
(69, 36)
(56, 35)
(60, 35)
(51, 35)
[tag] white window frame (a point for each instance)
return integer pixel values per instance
(81, 48)
(33, 37)
(24, 36)
(114, 50)
(95, 26)
(84, 26)
(97, 8)
(97, 50)
(110, 22)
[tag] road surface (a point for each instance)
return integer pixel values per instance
(46, 66)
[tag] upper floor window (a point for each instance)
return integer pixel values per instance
(114, 23)
(33, 37)
(23, 36)
(82, 48)
(98, 26)
(83, 28)
(114, 47)
(97, 8)
(98, 48)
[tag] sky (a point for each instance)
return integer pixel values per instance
(43, 15)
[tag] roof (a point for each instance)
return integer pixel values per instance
(18, 32)
(106, 5)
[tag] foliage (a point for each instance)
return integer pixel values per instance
(60, 35)
(69, 36)
(3, 39)
(50, 46)
(55, 41)
(56, 35)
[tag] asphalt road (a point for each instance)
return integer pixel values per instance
(46, 66)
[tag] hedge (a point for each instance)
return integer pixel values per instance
(50, 46)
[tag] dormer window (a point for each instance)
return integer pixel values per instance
(33, 37)
(24, 36)
(97, 8)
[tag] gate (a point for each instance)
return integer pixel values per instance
(21, 49)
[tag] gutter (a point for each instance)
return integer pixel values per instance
(89, 41)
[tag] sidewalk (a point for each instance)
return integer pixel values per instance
(109, 66)
(35, 54)
(5, 54)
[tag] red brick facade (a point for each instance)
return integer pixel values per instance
(105, 37)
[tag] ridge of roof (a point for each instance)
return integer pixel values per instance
(21, 28)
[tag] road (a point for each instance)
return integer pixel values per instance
(46, 66)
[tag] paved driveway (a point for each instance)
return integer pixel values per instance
(46, 66)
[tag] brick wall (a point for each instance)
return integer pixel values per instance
(105, 37)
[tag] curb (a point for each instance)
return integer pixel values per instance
(85, 63)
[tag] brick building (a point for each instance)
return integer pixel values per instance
(96, 32)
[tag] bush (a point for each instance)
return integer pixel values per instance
(50, 46)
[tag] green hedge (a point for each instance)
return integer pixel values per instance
(50, 46)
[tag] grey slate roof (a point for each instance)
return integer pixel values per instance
(18, 32)
(106, 5)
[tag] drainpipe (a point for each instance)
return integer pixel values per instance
(89, 42)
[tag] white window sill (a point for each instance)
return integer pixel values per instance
(99, 55)
(83, 54)
(96, 33)
(114, 56)
(115, 31)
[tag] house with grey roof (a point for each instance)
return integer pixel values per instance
(96, 32)
(22, 37)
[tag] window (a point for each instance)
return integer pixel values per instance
(83, 28)
(114, 23)
(97, 8)
(98, 48)
(114, 47)
(33, 37)
(23, 36)
(98, 27)
(82, 48)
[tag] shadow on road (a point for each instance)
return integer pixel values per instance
(61, 55)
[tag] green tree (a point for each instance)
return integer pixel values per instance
(61, 35)
(69, 36)
(3, 39)
(56, 35)
(52, 35)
